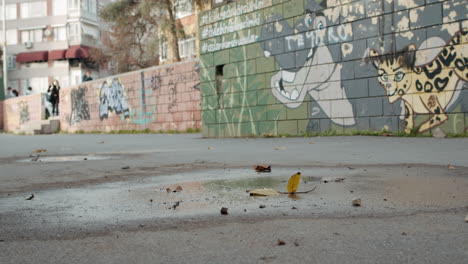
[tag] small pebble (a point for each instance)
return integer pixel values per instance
(356, 201)
(224, 211)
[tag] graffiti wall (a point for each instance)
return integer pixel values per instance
(159, 99)
(20, 111)
(309, 66)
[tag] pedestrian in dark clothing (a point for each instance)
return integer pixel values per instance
(54, 98)
(12, 92)
(87, 77)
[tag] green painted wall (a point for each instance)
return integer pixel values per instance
(297, 67)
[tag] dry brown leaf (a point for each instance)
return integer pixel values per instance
(168, 190)
(39, 150)
(280, 148)
(179, 189)
(262, 168)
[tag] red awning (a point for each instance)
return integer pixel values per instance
(57, 54)
(77, 52)
(32, 56)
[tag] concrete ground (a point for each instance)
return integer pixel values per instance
(103, 199)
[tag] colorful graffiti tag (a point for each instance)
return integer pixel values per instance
(79, 105)
(24, 112)
(112, 98)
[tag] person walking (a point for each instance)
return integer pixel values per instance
(54, 97)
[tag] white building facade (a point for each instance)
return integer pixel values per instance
(50, 39)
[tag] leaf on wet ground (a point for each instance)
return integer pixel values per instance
(262, 168)
(356, 201)
(30, 197)
(280, 148)
(263, 192)
(293, 183)
(39, 150)
(210, 147)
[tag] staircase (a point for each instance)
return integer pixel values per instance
(39, 127)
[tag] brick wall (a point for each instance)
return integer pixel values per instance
(159, 98)
(305, 66)
(21, 111)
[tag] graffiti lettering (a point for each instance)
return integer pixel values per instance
(112, 98)
(80, 106)
(24, 112)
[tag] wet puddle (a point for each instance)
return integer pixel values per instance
(64, 158)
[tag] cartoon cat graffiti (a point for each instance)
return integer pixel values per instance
(112, 98)
(307, 66)
(428, 88)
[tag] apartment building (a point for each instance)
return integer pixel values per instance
(186, 14)
(50, 39)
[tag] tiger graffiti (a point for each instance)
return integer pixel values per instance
(306, 62)
(424, 89)
(112, 98)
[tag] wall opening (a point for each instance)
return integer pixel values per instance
(219, 82)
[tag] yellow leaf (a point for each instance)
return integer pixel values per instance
(263, 192)
(293, 183)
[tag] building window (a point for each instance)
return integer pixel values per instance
(33, 9)
(163, 50)
(11, 62)
(89, 6)
(10, 12)
(90, 30)
(73, 4)
(24, 86)
(32, 35)
(12, 36)
(183, 8)
(187, 47)
(73, 31)
(59, 7)
(60, 33)
(39, 84)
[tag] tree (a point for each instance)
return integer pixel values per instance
(130, 44)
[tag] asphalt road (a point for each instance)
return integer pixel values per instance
(103, 199)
